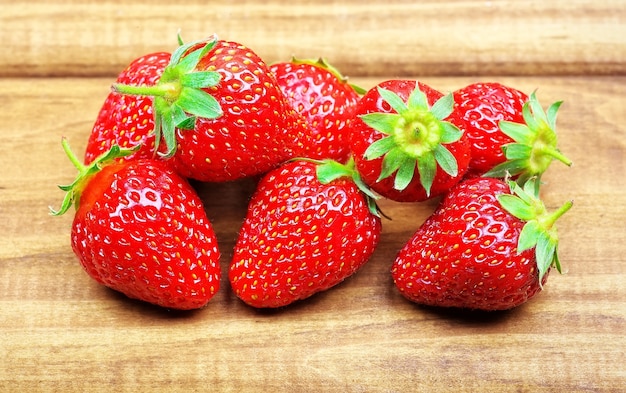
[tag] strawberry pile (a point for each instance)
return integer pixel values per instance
(324, 152)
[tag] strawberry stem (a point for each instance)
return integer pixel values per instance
(549, 221)
(82, 168)
(166, 90)
(556, 154)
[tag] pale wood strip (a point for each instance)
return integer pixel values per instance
(396, 37)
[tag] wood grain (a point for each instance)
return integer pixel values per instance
(63, 332)
(362, 38)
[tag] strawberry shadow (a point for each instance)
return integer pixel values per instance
(320, 302)
(148, 310)
(470, 317)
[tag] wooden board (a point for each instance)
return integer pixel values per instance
(63, 331)
(395, 37)
(60, 331)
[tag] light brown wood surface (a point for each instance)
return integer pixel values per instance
(61, 331)
(393, 37)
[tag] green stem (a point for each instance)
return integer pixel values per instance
(558, 155)
(82, 168)
(162, 90)
(552, 218)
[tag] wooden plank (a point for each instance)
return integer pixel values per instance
(372, 38)
(63, 332)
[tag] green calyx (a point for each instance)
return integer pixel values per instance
(415, 138)
(179, 97)
(539, 231)
(535, 143)
(85, 172)
(329, 170)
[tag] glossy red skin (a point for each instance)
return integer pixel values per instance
(327, 103)
(300, 237)
(362, 136)
(479, 107)
(140, 229)
(258, 130)
(465, 254)
(128, 120)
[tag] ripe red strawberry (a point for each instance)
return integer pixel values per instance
(404, 143)
(488, 246)
(140, 229)
(222, 114)
(325, 98)
(509, 132)
(128, 121)
(480, 107)
(308, 227)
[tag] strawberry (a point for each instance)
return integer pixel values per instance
(308, 228)
(128, 121)
(489, 246)
(140, 229)
(404, 145)
(509, 132)
(322, 95)
(480, 107)
(222, 114)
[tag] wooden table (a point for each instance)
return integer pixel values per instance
(60, 331)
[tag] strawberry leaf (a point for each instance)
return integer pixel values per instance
(381, 122)
(200, 79)
(404, 175)
(189, 123)
(517, 151)
(418, 100)
(517, 207)
(380, 148)
(394, 160)
(358, 89)
(393, 100)
(177, 113)
(545, 253)
(443, 107)
(552, 113)
(199, 103)
(186, 63)
(528, 236)
(427, 167)
(531, 190)
(446, 160)
(451, 133)
(329, 170)
(518, 132)
(511, 167)
(556, 261)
